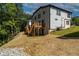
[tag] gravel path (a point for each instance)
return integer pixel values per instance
(12, 52)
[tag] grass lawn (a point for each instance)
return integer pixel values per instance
(71, 32)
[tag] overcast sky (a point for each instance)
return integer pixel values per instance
(31, 7)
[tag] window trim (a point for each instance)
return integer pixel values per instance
(68, 15)
(67, 22)
(56, 19)
(58, 12)
(35, 17)
(39, 15)
(43, 12)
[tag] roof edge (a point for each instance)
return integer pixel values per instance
(49, 5)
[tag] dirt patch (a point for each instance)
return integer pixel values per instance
(45, 45)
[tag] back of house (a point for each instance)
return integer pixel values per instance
(59, 18)
(53, 17)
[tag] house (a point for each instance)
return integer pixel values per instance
(53, 17)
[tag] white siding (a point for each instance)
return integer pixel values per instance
(50, 16)
(61, 22)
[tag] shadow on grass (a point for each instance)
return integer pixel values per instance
(74, 35)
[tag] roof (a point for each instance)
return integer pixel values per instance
(53, 7)
(59, 8)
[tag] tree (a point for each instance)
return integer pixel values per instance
(12, 20)
(75, 20)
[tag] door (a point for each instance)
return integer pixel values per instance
(63, 23)
(43, 23)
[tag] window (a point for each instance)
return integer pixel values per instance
(58, 12)
(68, 15)
(39, 22)
(43, 12)
(67, 22)
(56, 19)
(35, 18)
(39, 15)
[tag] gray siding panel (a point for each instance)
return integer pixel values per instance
(44, 17)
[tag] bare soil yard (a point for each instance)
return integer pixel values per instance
(44, 45)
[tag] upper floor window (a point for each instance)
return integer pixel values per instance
(39, 15)
(68, 15)
(35, 18)
(43, 12)
(58, 12)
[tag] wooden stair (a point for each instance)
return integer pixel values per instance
(31, 30)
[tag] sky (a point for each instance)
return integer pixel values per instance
(29, 8)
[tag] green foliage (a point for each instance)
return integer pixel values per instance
(68, 32)
(75, 20)
(12, 20)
